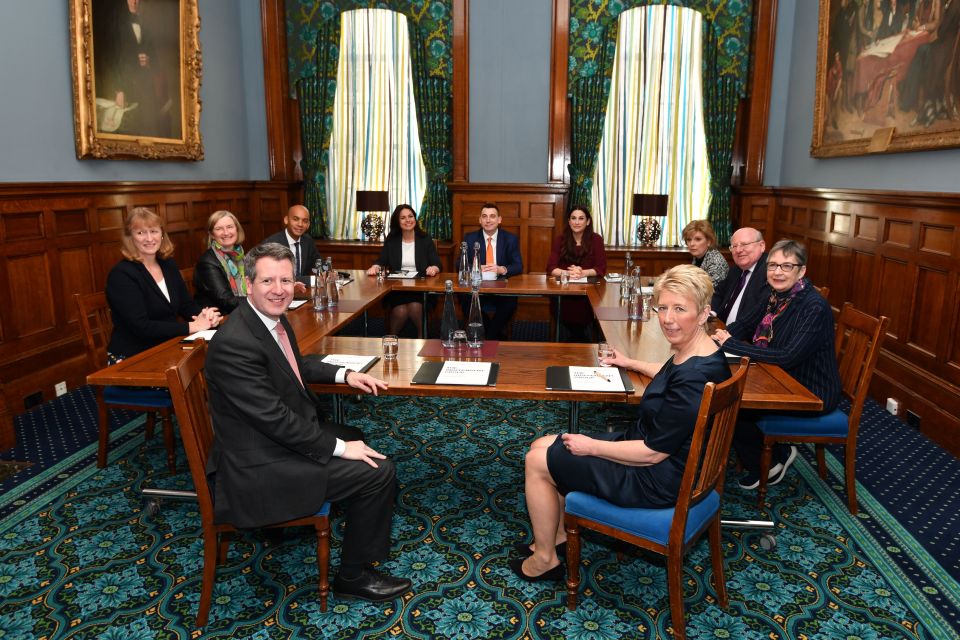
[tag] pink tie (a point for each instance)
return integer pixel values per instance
(288, 350)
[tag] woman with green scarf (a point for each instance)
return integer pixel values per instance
(218, 279)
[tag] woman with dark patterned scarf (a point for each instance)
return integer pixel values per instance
(795, 331)
(219, 279)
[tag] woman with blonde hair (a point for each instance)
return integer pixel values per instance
(701, 242)
(642, 466)
(148, 298)
(218, 279)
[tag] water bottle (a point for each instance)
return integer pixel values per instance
(463, 273)
(627, 264)
(333, 294)
(317, 272)
(475, 332)
(320, 294)
(476, 276)
(448, 321)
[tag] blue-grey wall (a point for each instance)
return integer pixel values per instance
(789, 163)
(36, 112)
(509, 90)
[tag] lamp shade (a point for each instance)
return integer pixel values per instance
(650, 204)
(373, 201)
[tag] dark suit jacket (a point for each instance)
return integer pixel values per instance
(270, 452)
(508, 250)
(756, 293)
(308, 253)
(424, 251)
(142, 316)
(212, 286)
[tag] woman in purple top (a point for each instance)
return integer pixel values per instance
(579, 252)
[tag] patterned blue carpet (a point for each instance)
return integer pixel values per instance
(80, 559)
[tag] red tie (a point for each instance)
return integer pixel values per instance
(288, 350)
(490, 258)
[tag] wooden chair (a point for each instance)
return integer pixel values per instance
(857, 345)
(187, 275)
(96, 326)
(671, 532)
(188, 387)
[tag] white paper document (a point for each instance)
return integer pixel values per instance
(350, 361)
(206, 335)
(595, 379)
(296, 304)
(402, 275)
(469, 373)
(582, 280)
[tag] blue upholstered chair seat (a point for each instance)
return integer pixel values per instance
(652, 524)
(155, 398)
(831, 425)
(324, 510)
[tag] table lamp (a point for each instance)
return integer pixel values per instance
(649, 206)
(374, 203)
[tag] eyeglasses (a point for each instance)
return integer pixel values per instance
(743, 245)
(786, 267)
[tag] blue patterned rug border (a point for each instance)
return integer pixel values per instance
(932, 619)
(35, 504)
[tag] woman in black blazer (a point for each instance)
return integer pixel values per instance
(406, 247)
(146, 292)
(218, 279)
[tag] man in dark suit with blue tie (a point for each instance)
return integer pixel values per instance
(296, 236)
(273, 459)
(745, 286)
(499, 258)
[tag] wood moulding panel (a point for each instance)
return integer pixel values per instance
(895, 254)
(62, 238)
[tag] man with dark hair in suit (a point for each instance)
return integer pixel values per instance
(499, 257)
(296, 236)
(273, 459)
(745, 286)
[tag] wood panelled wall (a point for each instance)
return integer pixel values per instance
(889, 253)
(57, 239)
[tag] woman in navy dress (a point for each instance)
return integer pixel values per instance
(643, 466)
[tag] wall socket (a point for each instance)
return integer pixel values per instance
(893, 406)
(60, 388)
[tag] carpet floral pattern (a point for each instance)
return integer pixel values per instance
(80, 558)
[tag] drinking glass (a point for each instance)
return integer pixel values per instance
(459, 341)
(604, 350)
(564, 277)
(391, 345)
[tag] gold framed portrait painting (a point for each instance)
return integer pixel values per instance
(136, 68)
(888, 77)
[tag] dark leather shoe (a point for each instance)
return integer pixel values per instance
(371, 585)
(557, 574)
(523, 550)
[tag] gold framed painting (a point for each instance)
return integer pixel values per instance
(136, 68)
(888, 77)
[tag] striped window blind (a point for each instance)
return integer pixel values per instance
(375, 142)
(653, 137)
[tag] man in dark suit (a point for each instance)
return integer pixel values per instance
(272, 458)
(499, 257)
(745, 286)
(296, 236)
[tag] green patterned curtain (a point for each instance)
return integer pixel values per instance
(434, 97)
(726, 65)
(588, 105)
(315, 96)
(721, 96)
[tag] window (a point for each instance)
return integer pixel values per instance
(375, 142)
(653, 137)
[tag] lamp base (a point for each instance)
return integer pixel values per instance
(372, 227)
(648, 232)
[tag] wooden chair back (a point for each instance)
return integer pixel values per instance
(709, 446)
(96, 325)
(187, 275)
(858, 341)
(188, 388)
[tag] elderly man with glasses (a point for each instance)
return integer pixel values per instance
(794, 330)
(745, 286)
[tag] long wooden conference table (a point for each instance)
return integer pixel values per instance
(522, 373)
